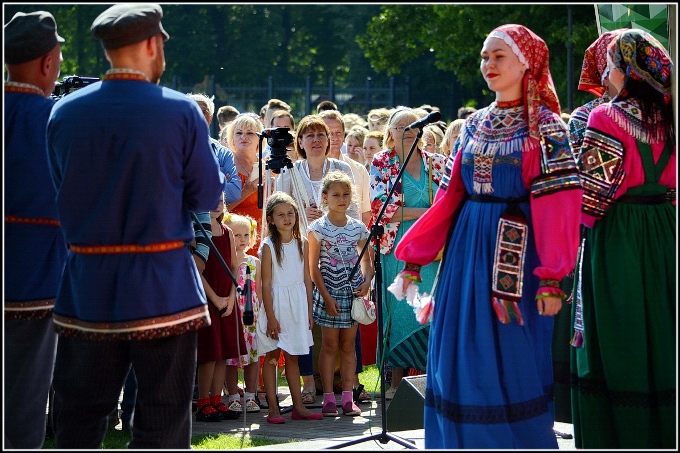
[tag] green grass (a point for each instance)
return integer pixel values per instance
(117, 440)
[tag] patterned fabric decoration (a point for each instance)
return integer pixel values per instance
(500, 124)
(125, 74)
(18, 87)
(558, 167)
(579, 120)
(537, 85)
(652, 17)
(384, 171)
(601, 166)
(508, 275)
(639, 55)
(594, 68)
(577, 339)
(628, 115)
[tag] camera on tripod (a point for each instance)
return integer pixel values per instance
(278, 139)
(71, 83)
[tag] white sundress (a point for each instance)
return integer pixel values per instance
(289, 296)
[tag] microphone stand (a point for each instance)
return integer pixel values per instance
(376, 232)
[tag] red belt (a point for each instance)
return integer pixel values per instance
(126, 248)
(15, 219)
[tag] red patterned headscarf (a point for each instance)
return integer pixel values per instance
(537, 85)
(594, 68)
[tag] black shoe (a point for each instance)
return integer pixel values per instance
(230, 415)
(201, 416)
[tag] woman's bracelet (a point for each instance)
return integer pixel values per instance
(550, 291)
(412, 272)
(549, 282)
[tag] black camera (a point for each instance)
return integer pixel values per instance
(71, 83)
(278, 139)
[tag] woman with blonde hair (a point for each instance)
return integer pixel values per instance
(243, 140)
(450, 136)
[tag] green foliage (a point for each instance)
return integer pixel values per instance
(455, 33)
(433, 46)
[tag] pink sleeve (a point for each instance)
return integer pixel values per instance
(556, 216)
(426, 237)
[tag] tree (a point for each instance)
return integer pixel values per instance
(455, 33)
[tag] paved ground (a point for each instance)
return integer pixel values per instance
(363, 432)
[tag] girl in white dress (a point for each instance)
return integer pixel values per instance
(287, 298)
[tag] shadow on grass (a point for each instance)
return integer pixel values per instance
(118, 440)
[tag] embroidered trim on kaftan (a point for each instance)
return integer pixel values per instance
(29, 309)
(601, 165)
(143, 329)
(34, 221)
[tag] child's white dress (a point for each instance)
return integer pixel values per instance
(289, 297)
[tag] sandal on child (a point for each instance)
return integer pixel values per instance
(360, 395)
(309, 396)
(207, 413)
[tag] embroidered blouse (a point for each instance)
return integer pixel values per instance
(548, 171)
(610, 162)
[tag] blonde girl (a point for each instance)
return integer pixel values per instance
(244, 229)
(335, 241)
(287, 298)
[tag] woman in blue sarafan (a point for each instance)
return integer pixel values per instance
(504, 213)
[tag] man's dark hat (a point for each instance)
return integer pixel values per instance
(30, 36)
(128, 23)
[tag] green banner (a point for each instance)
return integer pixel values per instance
(651, 18)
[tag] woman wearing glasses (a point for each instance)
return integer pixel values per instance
(406, 339)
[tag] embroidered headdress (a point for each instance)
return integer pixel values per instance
(594, 69)
(537, 85)
(641, 56)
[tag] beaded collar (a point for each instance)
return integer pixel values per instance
(19, 87)
(125, 74)
(509, 104)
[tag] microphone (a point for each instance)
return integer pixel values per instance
(433, 117)
(248, 316)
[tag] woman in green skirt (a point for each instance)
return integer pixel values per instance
(624, 354)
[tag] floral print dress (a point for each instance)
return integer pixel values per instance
(249, 332)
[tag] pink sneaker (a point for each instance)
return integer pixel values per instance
(349, 408)
(329, 409)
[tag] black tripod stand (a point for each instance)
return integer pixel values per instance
(376, 232)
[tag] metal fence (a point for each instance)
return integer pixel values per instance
(302, 97)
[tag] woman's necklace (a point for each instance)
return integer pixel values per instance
(324, 169)
(242, 168)
(315, 185)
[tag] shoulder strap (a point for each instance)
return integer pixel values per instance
(653, 171)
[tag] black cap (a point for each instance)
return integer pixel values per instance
(128, 23)
(30, 36)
